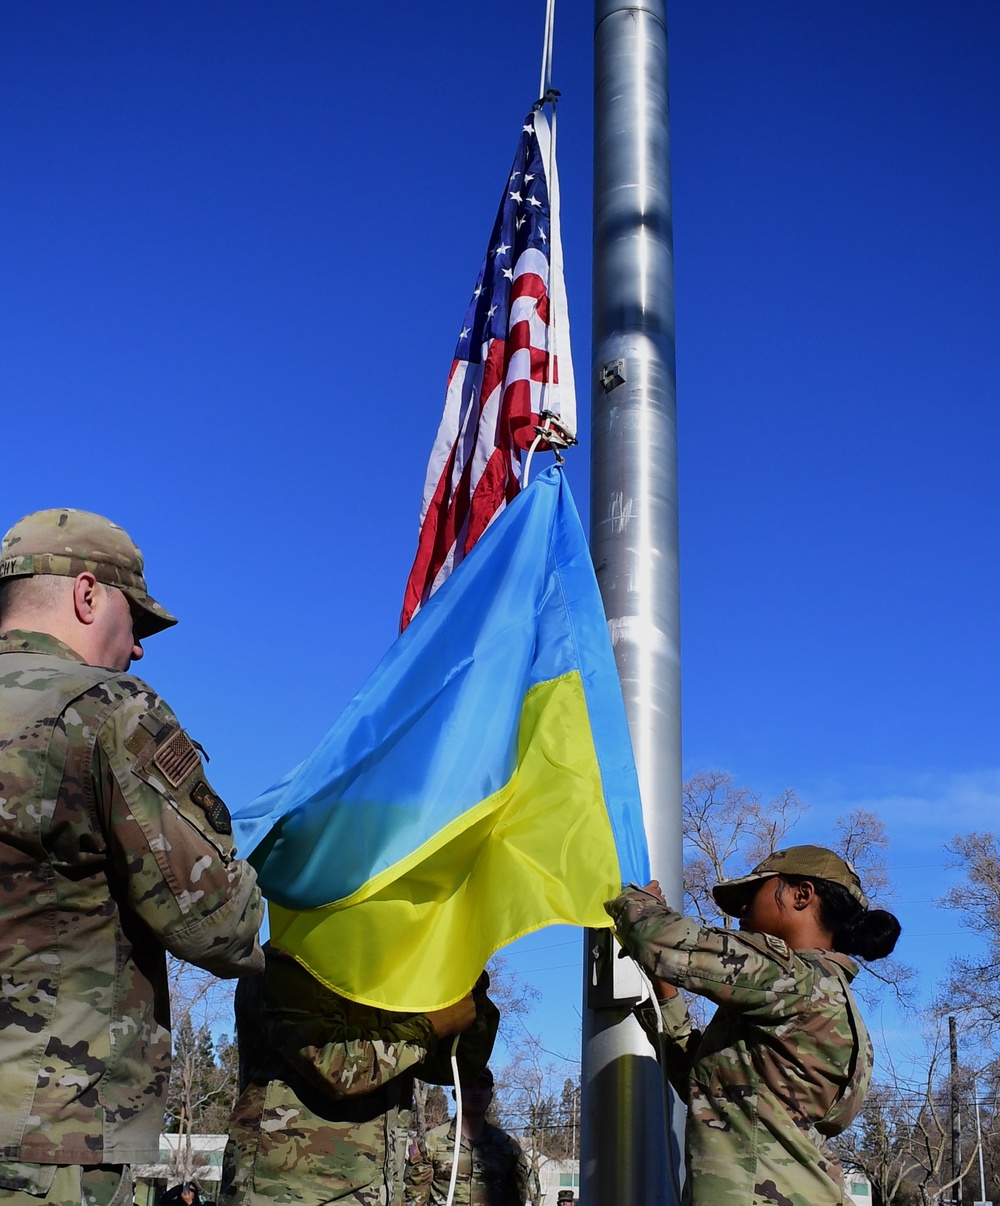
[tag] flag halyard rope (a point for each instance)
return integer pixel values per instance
(550, 21)
(550, 434)
(458, 1122)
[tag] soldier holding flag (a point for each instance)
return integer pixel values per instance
(114, 849)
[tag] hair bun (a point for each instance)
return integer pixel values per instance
(872, 934)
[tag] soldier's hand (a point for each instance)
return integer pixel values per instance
(662, 989)
(453, 1019)
(654, 889)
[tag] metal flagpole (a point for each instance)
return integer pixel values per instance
(630, 1154)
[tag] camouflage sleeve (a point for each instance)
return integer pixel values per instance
(314, 1030)
(170, 838)
(674, 1018)
(474, 1047)
(520, 1179)
(345, 1062)
(419, 1174)
(676, 1043)
(756, 974)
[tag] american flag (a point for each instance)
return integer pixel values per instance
(515, 331)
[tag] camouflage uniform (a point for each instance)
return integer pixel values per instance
(492, 1171)
(784, 1063)
(327, 1088)
(112, 848)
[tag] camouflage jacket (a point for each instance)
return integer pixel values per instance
(784, 1063)
(492, 1171)
(112, 848)
(327, 1088)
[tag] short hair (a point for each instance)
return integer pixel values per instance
(32, 595)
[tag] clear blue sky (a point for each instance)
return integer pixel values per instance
(237, 243)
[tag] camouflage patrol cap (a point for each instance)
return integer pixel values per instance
(814, 862)
(67, 542)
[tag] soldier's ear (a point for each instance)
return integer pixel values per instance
(85, 602)
(804, 894)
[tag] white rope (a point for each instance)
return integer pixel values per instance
(458, 1121)
(558, 341)
(672, 1170)
(563, 412)
(550, 22)
(555, 248)
(545, 94)
(526, 475)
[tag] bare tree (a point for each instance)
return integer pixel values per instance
(863, 840)
(568, 1136)
(986, 1088)
(534, 1106)
(878, 1143)
(727, 830)
(430, 1108)
(929, 1143)
(204, 1074)
(971, 991)
(511, 993)
(902, 1137)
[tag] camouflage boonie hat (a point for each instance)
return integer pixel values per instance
(814, 862)
(67, 542)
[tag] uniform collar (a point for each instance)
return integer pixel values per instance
(466, 1141)
(18, 640)
(843, 961)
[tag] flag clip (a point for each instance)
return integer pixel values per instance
(552, 433)
(550, 436)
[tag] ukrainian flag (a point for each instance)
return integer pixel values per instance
(479, 787)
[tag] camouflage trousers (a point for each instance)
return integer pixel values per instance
(65, 1184)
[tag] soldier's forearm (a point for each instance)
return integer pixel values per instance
(349, 1065)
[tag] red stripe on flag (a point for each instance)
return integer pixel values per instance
(430, 531)
(489, 496)
(528, 284)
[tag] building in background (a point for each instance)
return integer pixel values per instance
(859, 1188)
(204, 1165)
(555, 1175)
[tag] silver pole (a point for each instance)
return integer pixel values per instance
(629, 1156)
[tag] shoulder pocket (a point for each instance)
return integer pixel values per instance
(170, 762)
(766, 944)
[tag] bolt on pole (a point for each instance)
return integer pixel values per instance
(630, 1138)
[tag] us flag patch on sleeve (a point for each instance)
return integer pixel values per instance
(176, 757)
